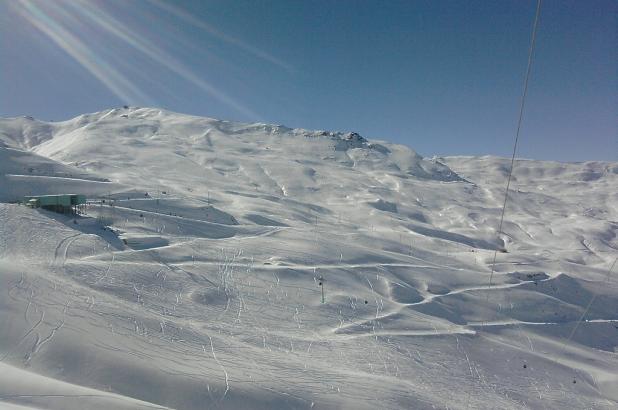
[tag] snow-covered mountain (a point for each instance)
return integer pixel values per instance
(200, 287)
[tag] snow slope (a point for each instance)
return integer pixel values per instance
(199, 287)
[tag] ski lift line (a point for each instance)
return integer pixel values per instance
(519, 122)
(516, 142)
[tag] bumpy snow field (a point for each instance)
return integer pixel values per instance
(193, 279)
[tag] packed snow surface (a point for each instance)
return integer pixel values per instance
(193, 279)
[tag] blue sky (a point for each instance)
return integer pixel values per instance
(444, 77)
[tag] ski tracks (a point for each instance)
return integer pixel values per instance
(227, 380)
(40, 342)
(62, 250)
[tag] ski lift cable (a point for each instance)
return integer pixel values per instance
(519, 122)
(517, 134)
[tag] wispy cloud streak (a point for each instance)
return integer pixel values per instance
(113, 27)
(188, 18)
(113, 80)
(67, 26)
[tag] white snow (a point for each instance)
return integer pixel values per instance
(202, 291)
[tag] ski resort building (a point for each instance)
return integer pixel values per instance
(64, 203)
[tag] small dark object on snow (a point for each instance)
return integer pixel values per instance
(141, 215)
(320, 283)
(525, 366)
(125, 106)
(366, 302)
(574, 381)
